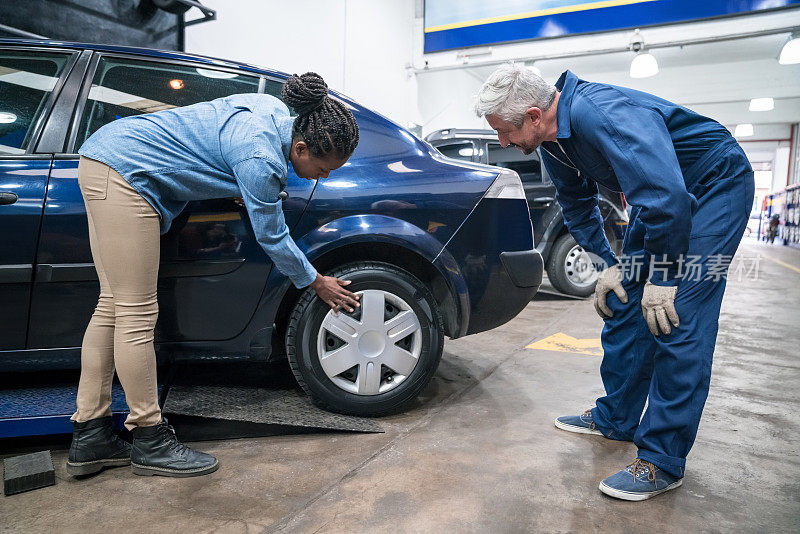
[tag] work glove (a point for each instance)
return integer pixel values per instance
(658, 307)
(609, 279)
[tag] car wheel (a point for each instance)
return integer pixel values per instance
(570, 269)
(376, 359)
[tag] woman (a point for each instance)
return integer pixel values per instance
(136, 175)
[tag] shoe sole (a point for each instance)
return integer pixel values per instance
(576, 429)
(630, 496)
(147, 470)
(87, 468)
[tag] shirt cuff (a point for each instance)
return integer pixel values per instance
(610, 258)
(305, 279)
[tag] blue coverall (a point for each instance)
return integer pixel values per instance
(691, 188)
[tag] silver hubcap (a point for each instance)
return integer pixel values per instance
(579, 267)
(373, 349)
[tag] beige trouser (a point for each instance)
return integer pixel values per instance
(124, 236)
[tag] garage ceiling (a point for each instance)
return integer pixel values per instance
(715, 79)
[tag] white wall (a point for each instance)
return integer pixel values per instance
(360, 47)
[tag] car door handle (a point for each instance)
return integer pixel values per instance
(543, 199)
(7, 198)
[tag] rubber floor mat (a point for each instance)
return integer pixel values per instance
(260, 405)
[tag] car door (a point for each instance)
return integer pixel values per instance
(539, 190)
(458, 149)
(212, 271)
(29, 79)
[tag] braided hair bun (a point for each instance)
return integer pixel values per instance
(325, 124)
(305, 93)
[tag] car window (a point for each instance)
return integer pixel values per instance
(273, 88)
(528, 167)
(26, 80)
(124, 87)
(464, 150)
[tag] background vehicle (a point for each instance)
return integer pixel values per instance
(569, 268)
(434, 246)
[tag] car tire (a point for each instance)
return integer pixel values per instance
(354, 391)
(560, 265)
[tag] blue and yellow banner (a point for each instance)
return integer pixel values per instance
(463, 23)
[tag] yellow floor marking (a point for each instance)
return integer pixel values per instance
(561, 342)
(779, 262)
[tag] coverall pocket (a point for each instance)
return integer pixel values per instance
(93, 179)
(713, 214)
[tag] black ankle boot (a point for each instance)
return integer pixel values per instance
(157, 451)
(95, 446)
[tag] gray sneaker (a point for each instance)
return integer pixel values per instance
(580, 424)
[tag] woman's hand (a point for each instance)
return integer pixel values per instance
(331, 291)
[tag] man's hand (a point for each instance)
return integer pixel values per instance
(331, 291)
(658, 305)
(609, 280)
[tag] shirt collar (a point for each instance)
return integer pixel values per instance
(566, 84)
(284, 125)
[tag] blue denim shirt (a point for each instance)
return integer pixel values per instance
(236, 146)
(651, 149)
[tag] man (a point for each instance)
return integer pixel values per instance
(691, 189)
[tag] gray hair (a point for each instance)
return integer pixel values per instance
(511, 90)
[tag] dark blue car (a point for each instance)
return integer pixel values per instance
(436, 247)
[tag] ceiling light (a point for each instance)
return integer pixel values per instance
(743, 130)
(218, 74)
(533, 68)
(644, 64)
(762, 104)
(790, 54)
(7, 118)
(176, 84)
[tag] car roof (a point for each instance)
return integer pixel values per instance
(460, 133)
(149, 52)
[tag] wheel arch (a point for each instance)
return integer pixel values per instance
(381, 239)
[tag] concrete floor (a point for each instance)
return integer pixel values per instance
(479, 453)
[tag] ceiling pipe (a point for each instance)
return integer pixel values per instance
(614, 50)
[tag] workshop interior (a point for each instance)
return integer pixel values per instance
(399, 265)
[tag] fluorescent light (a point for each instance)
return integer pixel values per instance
(218, 74)
(643, 65)
(762, 104)
(7, 118)
(790, 54)
(743, 130)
